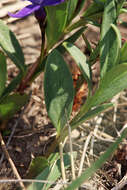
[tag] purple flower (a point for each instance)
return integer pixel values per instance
(36, 7)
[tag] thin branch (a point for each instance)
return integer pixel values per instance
(31, 181)
(62, 162)
(97, 120)
(84, 153)
(71, 152)
(115, 108)
(3, 146)
(121, 184)
(15, 126)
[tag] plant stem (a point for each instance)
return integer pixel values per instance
(52, 148)
(33, 67)
(62, 162)
(76, 25)
(71, 152)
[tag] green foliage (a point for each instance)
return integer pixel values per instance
(61, 34)
(12, 85)
(71, 39)
(93, 10)
(11, 104)
(11, 47)
(110, 45)
(37, 165)
(123, 53)
(80, 6)
(58, 90)
(71, 9)
(3, 72)
(89, 115)
(80, 60)
(111, 84)
(50, 173)
(56, 22)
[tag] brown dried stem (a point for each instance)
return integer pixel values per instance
(3, 146)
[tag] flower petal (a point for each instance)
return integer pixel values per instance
(25, 11)
(51, 2)
(38, 2)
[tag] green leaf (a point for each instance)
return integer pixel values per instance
(123, 10)
(97, 164)
(58, 90)
(116, 30)
(56, 22)
(37, 165)
(88, 45)
(101, 2)
(71, 39)
(11, 104)
(12, 85)
(79, 7)
(94, 55)
(89, 115)
(110, 44)
(81, 118)
(92, 10)
(11, 47)
(3, 72)
(51, 173)
(120, 4)
(71, 9)
(39, 69)
(123, 53)
(80, 60)
(112, 83)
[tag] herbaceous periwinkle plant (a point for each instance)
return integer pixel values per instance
(56, 19)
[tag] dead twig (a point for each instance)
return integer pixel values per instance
(97, 120)
(32, 181)
(71, 152)
(84, 153)
(15, 126)
(115, 102)
(3, 146)
(121, 184)
(62, 162)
